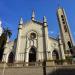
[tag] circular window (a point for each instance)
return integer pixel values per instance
(32, 35)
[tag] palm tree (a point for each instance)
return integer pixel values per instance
(3, 39)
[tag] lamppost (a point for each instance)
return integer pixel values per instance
(44, 45)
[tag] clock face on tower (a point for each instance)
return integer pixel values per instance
(32, 35)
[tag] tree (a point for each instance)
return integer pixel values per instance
(3, 39)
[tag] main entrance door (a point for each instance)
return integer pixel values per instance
(32, 56)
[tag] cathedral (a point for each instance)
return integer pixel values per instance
(33, 44)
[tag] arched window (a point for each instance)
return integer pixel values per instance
(70, 46)
(32, 35)
(65, 28)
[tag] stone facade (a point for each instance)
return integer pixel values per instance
(33, 39)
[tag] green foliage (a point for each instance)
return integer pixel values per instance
(3, 39)
(6, 33)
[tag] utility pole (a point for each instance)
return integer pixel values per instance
(44, 45)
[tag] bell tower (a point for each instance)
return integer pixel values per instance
(66, 37)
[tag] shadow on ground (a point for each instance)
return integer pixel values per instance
(63, 72)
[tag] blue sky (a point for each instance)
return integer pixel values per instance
(12, 10)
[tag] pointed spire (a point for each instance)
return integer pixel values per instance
(7, 39)
(45, 21)
(0, 23)
(21, 21)
(1, 29)
(33, 15)
(59, 3)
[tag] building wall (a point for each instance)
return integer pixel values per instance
(22, 47)
(24, 43)
(64, 29)
(9, 47)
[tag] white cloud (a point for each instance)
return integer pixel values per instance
(51, 32)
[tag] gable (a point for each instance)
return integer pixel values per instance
(32, 26)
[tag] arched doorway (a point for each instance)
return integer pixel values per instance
(32, 55)
(11, 58)
(55, 56)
